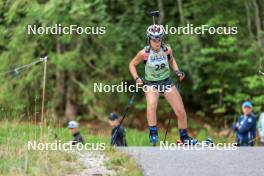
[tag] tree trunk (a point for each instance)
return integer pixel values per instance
(258, 22)
(184, 47)
(248, 19)
(60, 92)
(179, 2)
(162, 14)
(70, 111)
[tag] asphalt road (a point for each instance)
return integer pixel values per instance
(240, 162)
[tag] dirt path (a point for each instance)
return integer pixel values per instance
(93, 164)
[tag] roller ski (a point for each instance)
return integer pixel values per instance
(187, 141)
(191, 141)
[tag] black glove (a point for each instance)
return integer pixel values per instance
(140, 79)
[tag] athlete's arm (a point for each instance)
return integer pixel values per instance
(175, 67)
(134, 62)
(173, 63)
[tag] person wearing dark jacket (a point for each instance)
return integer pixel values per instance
(245, 127)
(118, 137)
(77, 138)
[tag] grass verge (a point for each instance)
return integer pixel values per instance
(122, 164)
(16, 159)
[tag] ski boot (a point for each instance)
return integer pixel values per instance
(153, 135)
(187, 140)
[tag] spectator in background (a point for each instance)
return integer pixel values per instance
(118, 137)
(77, 138)
(245, 127)
(261, 126)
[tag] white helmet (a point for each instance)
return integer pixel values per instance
(72, 124)
(155, 32)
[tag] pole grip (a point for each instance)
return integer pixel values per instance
(154, 14)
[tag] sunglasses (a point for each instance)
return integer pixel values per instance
(156, 40)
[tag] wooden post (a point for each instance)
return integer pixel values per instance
(43, 98)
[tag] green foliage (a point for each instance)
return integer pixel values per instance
(123, 164)
(221, 70)
(16, 159)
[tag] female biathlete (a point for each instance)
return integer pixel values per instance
(158, 58)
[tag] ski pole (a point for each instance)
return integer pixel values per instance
(130, 102)
(167, 129)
